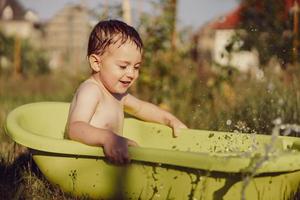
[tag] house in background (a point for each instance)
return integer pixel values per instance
(21, 24)
(225, 31)
(213, 39)
(66, 37)
(63, 37)
(16, 21)
(215, 36)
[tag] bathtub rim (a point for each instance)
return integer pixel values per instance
(286, 162)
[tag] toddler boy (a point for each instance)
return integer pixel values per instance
(96, 111)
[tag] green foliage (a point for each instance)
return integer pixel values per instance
(6, 49)
(261, 102)
(224, 101)
(6, 46)
(105, 11)
(269, 28)
(163, 67)
(33, 60)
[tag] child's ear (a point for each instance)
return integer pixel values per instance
(94, 61)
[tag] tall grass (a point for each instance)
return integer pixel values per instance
(225, 100)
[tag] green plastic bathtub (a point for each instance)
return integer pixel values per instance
(196, 165)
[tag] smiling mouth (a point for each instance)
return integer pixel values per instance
(125, 82)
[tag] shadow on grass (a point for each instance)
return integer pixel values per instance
(21, 180)
(297, 195)
(11, 182)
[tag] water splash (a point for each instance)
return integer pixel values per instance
(269, 151)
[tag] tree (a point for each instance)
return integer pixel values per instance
(168, 71)
(269, 26)
(126, 11)
(171, 14)
(6, 49)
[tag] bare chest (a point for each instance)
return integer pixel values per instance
(109, 115)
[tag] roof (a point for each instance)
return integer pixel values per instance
(232, 19)
(229, 21)
(290, 3)
(18, 10)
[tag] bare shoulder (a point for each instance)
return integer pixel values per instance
(89, 89)
(85, 101)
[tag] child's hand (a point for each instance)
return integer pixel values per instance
(116, 149)
(176, 125)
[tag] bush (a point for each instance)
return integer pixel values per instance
(32, 60)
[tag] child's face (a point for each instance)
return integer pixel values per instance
(119, 67)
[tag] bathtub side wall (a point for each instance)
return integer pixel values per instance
(97, 179)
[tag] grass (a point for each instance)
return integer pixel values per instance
(238, 103)
(20, 178)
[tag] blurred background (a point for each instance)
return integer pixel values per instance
(230, 65)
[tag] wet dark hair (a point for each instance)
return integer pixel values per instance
(110, 32)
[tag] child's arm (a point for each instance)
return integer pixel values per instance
(150, 112)
(79, 129)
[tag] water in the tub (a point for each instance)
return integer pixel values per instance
(237, 143)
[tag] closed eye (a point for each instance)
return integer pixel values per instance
(123, 66)
(137, 67)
